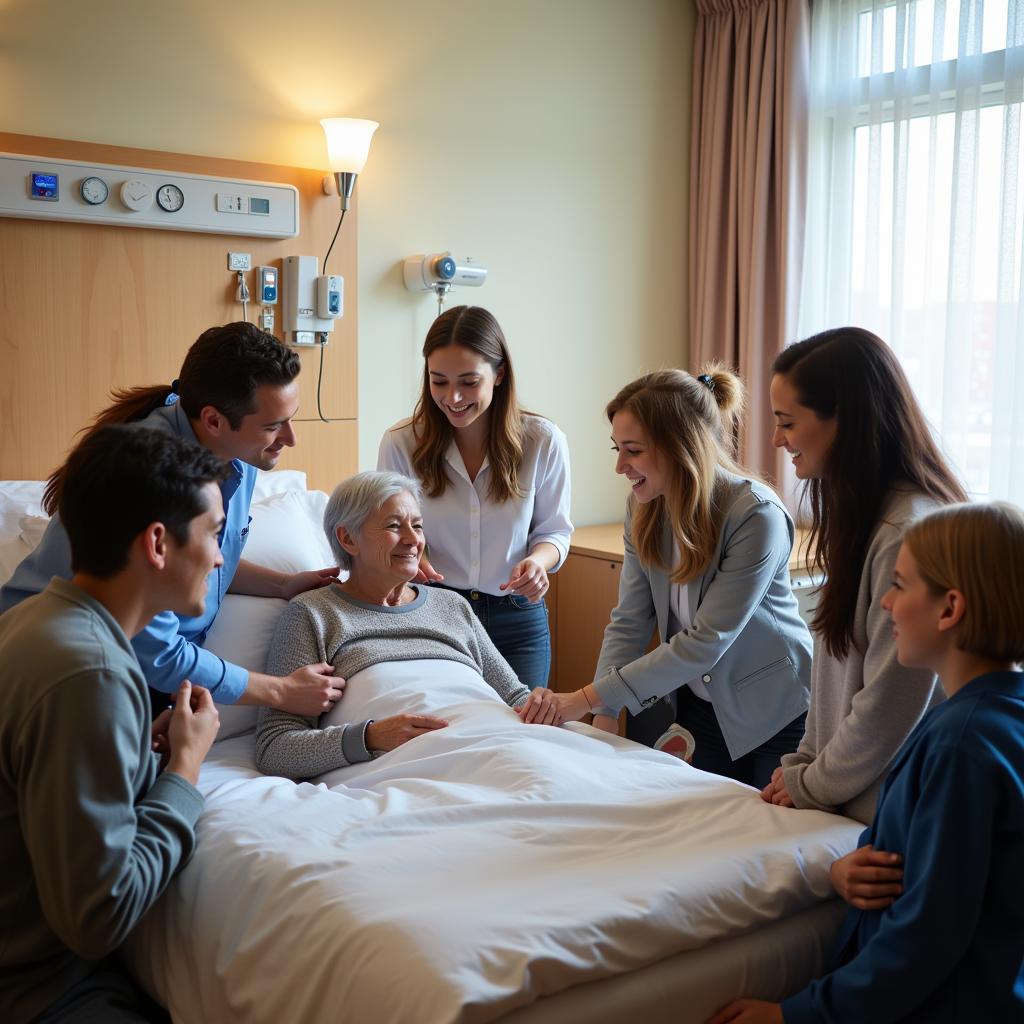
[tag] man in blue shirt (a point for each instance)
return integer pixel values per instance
(236, 396)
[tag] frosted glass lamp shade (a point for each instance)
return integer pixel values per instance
(348, 142)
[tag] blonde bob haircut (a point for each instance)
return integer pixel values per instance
(977, 549)
(691, 422)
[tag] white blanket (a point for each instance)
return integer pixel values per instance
(467, 872)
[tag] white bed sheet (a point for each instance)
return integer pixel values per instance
(468, 873)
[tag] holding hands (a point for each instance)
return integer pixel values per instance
(541, 708)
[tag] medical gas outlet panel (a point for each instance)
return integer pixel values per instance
(45, 189)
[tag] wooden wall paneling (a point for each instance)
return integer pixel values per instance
(328, 452)
(85, 308)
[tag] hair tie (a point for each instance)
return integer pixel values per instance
(708, 381)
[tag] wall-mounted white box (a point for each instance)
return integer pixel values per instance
(192, 202)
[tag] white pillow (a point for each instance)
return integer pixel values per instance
(287, 534)
(32, 530)
(241, 634)
(19, 498)
(276, 481)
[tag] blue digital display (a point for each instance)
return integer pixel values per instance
(257, 205)
(45, 187)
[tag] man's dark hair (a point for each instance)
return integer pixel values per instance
(227, 364)
(121, 478)
(223, 368)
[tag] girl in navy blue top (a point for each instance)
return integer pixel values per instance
(936, 928)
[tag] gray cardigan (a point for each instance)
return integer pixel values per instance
(329, 625)
(864, 706)
(746, 642)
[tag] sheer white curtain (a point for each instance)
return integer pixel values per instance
(915, 223)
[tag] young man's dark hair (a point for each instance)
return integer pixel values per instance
(223, 368)
(137, 476)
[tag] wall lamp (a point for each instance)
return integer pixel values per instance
(348, 144)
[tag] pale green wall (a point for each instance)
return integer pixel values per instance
(547, 138)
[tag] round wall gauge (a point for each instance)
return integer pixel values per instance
(94, 191)
(170, 198)
(136, 194)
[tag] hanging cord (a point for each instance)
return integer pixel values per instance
(323, 269)
(319, 379)
(323, 337)
(243, 295)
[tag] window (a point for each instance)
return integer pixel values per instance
(915, 224)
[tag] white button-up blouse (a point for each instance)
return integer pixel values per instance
(473, 541)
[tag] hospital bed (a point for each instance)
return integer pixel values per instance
(487, 871)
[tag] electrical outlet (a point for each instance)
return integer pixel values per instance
(267, 319)
(239, 261)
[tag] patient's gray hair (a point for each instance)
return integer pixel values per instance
(358, 497)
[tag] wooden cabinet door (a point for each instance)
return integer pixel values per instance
(588, 590)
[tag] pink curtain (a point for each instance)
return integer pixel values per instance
(748, 150)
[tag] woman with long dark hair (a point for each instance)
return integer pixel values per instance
(495, 485)
(707, 549)
(846, 414)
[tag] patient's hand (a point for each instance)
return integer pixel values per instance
(388, 733)
(749, 1011)
(868, 879)
(569, 707)
(606, 723)
(540, 708)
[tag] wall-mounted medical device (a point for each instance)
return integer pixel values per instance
(45, 189)
(330, 296)
(426, 273)
(310, 302)
(266, 286)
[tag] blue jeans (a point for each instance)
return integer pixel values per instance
(519, 629)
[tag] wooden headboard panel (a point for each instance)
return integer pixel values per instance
(86, 307)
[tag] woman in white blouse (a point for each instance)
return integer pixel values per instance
(495, 485)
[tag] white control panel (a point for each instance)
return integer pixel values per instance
(38, 187)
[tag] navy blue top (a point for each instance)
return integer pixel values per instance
(169, 648)
(951, 947)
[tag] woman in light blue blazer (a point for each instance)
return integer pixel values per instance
(707, 552)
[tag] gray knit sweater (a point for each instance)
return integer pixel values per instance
(864, 706)
(331, 626)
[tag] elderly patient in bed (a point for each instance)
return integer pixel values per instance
(376, 615)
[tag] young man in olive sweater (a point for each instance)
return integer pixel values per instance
(97, 803)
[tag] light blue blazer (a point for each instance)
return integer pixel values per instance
(746, 641)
